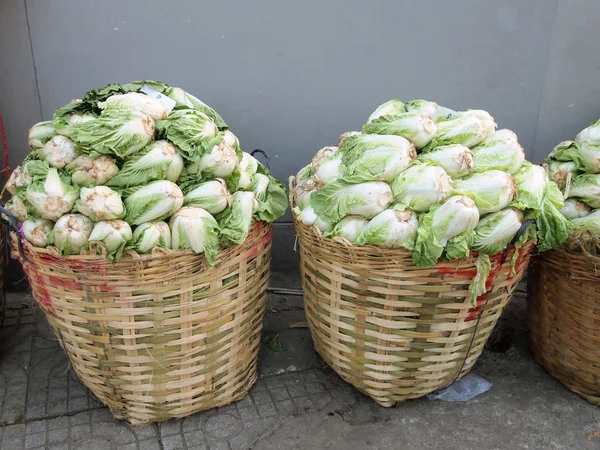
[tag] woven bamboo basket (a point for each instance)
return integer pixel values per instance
(157, 336)
(564, 307)
(393, 330)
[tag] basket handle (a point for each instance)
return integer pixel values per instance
(10, 222)
(515, 238)
(265, 155)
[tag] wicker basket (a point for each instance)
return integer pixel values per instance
(157, 336)
(564, 305)
(394, 330)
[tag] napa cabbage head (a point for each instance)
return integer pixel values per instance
(585, 155)
(191, 131)
(531, 183)
(418, 129)
(552, 227)
(456, 160)
(392, 228)
(135, 101)
(153, 202)
(38, 232)
(235, 224)
(248, 167)
(448, 226)
(390, 108)
(589, 223)
(88, 170)
(340, 199)
(53, 197)
(185, 99)
(589, 135)
(371, 157)
(586, 187)
(573, 209)
(196, 229)
(71, 233)
(326, 165)
(40, 133)
(350, 228)
(346, 135)
(495, 231)
(25, 174)
(158, 160)
(423, 107)
(220, 161)
(498, 154)
(421, 186)
(151, 235)
(120, 134)
(114, 235)
(488, 121)
(560, 171)
(466, 130)
(270, 196)
(491, 191)
(212, 196)
(100, 203)
(17, 207)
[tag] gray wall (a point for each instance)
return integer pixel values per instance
(289, 77)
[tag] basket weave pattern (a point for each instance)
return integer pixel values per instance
(564, 305)
(394, 330)
(158, 336)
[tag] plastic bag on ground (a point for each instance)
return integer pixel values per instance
(463, 390)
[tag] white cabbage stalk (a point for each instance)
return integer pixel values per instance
(195, 228)
(491, 191)
(17, 208)
(586, 188)
(114, 234)
(421, 186)
(58, 151)
(220, 161)
(456, 160)
(248, 167)
(391, 228)
(589, 135)
(231, 139)
(423, 107)
(559, 171)
(120, 134)
(467, 130)
(488, 121)
(150, 235)
(304, 190)
(138, 102)
(338, 200)
(40, 133)
(153, 202)
(586, 156)
(390, 108)
(213, 196)
(531, 183)
(589, 223)
(349, 227)
(38, 232)
(100, 203)
(575, 209)
(89, 171)
(496, 230)
(418, 129)
(457, 215)
(71, 233)
(51, 198)
(498, 154)
(346, 135)
(372, 157)
(323, 225)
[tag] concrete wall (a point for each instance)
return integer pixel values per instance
(289, 77)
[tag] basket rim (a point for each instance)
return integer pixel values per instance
(128, 255)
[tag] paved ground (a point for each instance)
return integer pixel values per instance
(297, 404)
